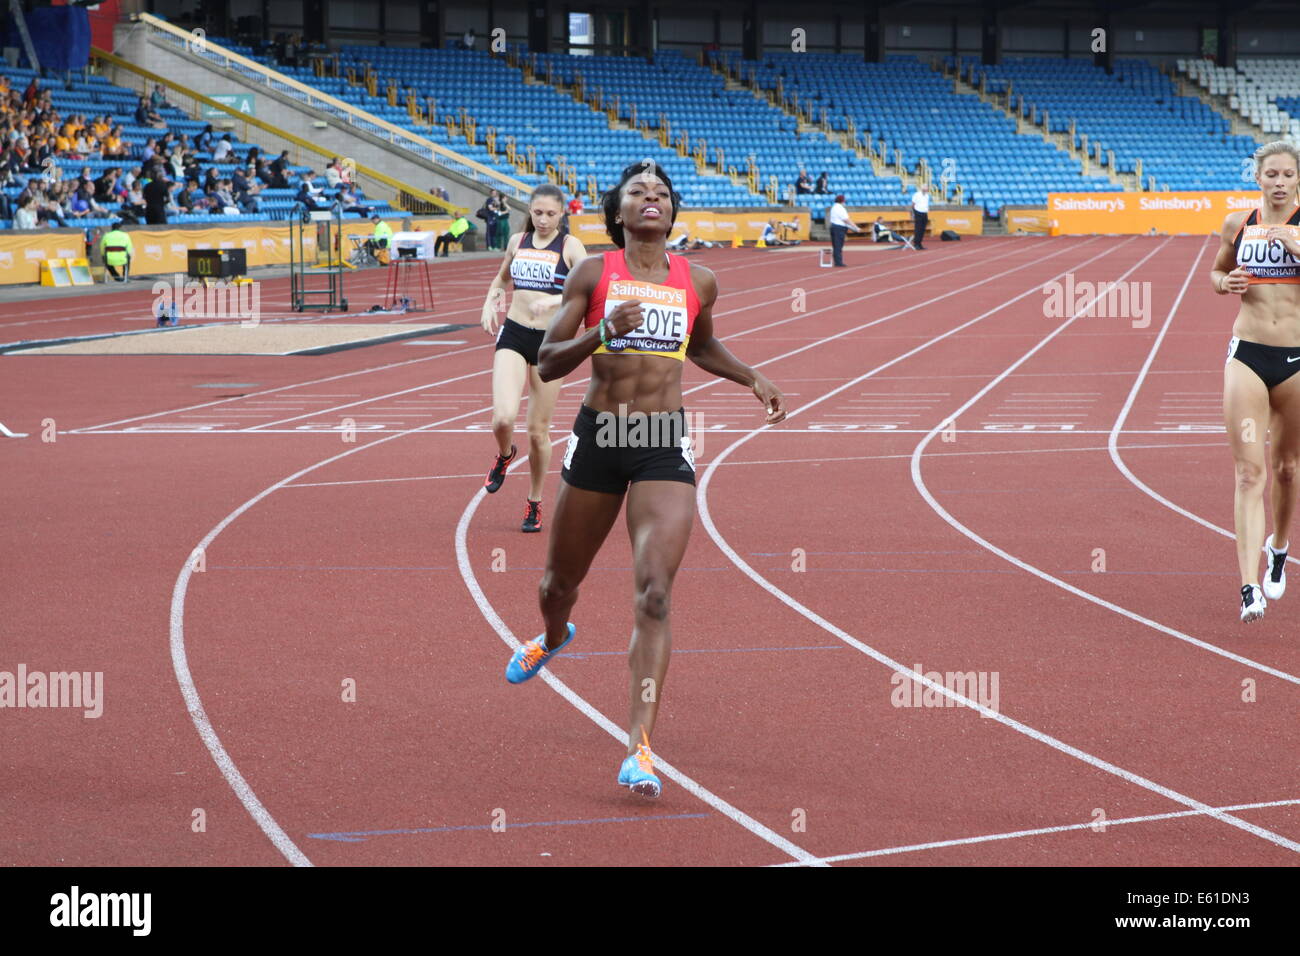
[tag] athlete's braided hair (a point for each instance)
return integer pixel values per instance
(614, 195)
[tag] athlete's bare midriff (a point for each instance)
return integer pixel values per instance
(522, 302)
(634, 383)
(1270, 315)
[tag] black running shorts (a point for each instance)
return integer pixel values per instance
(521, 339)
(1273, 364)
(606, 452)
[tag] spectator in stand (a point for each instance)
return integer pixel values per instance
(148, 151)
(211, 181)
(186, 198)
(307, 193)
(75, 205)
(86, 192)
(192, 169)
(225, 199)
(144, 116)
(223, 149)
(158, 99)
(804, 183)
(133, 206)
(31, 93)
(157, 194)
(203, 141)
(106, 185)
(280, 171)
(176, 163)
(823, 184)
(245, 193)
(48, 208)
(254, 154)
(351, 202)
(467, 39)
(131, 176)
(332, 175)
(113, 147)
(25, 216)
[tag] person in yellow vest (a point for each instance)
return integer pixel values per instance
(453, 234)
(115, 247)
(380, 240)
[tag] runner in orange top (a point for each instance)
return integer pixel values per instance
(1259, 260)
(639, 313)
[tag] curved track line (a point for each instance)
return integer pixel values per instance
(1113, 441)
(180, 662)
(919, 482)
(1039, 831)
(604, 723)
(707, 520)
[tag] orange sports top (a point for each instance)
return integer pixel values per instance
(669, 308)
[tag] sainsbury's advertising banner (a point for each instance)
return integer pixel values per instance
(1171, 213)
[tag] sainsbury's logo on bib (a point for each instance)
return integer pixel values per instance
(1266, 258)
(664, 328)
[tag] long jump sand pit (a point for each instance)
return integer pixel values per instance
(272, 338)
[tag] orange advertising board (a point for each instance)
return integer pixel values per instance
(1132, 213)
(1037, 221)
(702, 224)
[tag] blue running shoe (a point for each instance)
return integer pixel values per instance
(531, 657)
(638, 771)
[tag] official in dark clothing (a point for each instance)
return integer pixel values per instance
(156, 194)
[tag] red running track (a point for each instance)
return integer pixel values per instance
(958, 469)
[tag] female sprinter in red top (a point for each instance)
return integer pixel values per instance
(639, 313)
(537, 262)
(1259, 260)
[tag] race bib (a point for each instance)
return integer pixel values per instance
(666, 326)
(1268, 260)
(534, 269)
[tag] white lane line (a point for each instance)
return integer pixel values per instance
(1041, 831)
(8, 434)
(252, 395)
(798, 316)
(604, 723)
(507, 636)
(180, 663)
(1131, 777)
(88, 429)
(1113, 441)
(181, 667)
(707, 520)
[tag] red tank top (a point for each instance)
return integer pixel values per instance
(669, 309)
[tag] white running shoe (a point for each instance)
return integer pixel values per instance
(1275, 576)
(1252, 603)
